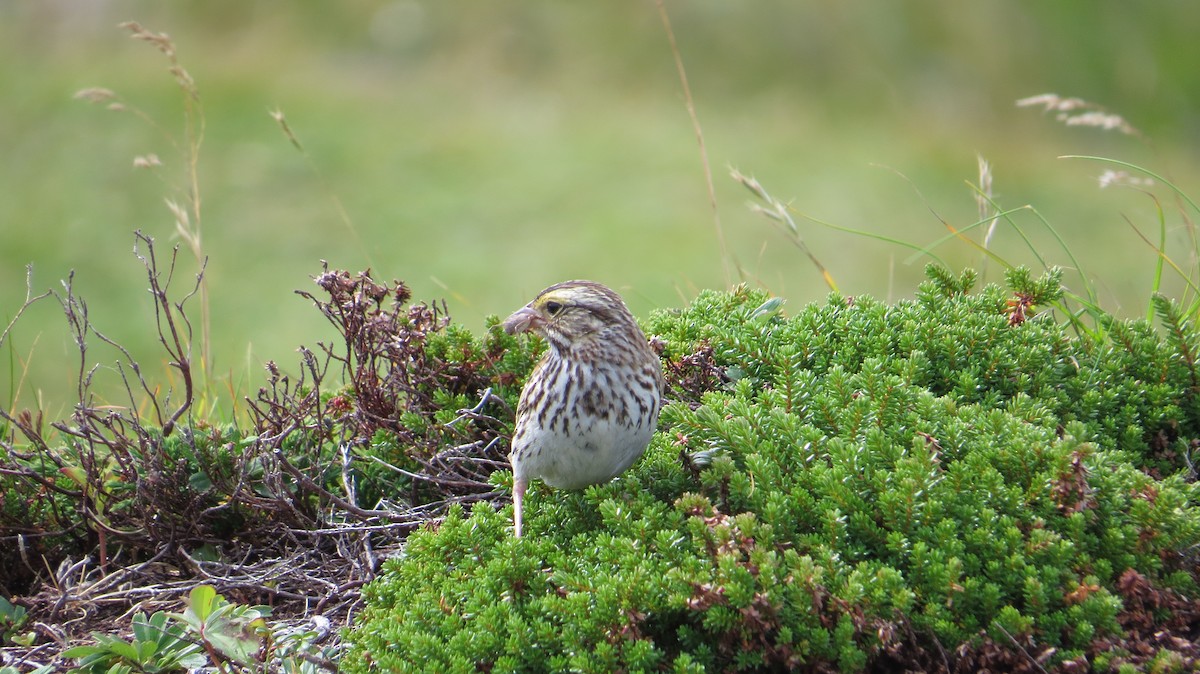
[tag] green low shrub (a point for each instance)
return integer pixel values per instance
(857, 485)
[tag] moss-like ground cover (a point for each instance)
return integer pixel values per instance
(950, 483)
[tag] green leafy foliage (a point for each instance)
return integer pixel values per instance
(12, 619)
(234, 631)
(857, 482)
(210, 632)
(156, 647)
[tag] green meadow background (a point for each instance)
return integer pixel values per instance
(481, 150)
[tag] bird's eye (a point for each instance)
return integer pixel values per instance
(554, 308)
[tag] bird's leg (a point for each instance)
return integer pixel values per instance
(519, 487)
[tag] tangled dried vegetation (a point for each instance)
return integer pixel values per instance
(128, 507)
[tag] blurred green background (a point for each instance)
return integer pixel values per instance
(483, 150)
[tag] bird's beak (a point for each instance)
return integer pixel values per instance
(522, 320)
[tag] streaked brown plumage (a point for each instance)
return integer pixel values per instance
(591, 404)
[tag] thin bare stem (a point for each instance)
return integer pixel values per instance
(726, 255)
(187, 218)
(343, 214)
(30, 300)
(777, 211)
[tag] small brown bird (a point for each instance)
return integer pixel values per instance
(591, 405)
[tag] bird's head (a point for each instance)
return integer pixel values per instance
(569, 312)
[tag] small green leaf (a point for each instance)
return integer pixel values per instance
(76, 474)
(201, 601)
(200, 481)
(767, 309)
(25, 639)
(79, 652)
(125, 650)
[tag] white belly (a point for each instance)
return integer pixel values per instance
(573, 459)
